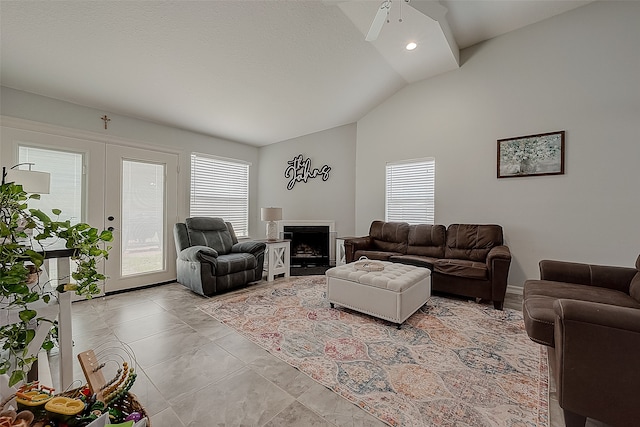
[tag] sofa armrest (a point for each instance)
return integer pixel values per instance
(498, 264)
(617, 278)
(198, 254)
(356, 244)
(249, 246)
(501, 252)
(596, 349)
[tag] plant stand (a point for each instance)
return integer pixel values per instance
(59, 308)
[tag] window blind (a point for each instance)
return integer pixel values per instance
(220, 188)
(66, 169)
(410, 191)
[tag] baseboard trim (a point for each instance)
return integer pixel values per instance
(515, 290)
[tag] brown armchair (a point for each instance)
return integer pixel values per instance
(589, 318)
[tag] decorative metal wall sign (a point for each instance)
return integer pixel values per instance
(299, 169)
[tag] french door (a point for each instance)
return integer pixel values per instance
(140, 208)
(133, 191)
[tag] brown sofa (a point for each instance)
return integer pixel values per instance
(465, 259)
(588, 316)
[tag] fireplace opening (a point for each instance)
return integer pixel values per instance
(309, 245)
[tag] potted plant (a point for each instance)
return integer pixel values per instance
(22, 232)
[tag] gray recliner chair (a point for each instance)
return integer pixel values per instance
(210, 259)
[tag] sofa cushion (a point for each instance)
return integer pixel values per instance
(426, 240)
(539, 318)
(540, 295)
(416, 260)
(472, 241)
(389, 236)
(558, 290)
(234, 263)
(379, 255)
(461, 268)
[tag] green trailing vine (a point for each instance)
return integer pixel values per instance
(22, 235)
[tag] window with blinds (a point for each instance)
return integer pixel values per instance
(410, 191)
(220, 188)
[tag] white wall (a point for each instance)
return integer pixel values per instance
(24, 105)
(579, 72)
(315, 199)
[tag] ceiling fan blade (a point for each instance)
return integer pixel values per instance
(378, 21)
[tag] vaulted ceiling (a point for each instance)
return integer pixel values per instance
(256, 72)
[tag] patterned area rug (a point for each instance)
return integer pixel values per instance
(453, 363)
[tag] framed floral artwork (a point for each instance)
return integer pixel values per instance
(531, 155)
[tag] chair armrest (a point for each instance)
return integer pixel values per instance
(249, 246)
(596, 349)
(198, 253)
(617, 278)
(595, 314)
(356, 244)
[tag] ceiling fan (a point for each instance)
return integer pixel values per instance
(381, 17)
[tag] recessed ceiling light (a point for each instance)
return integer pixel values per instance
(411, 46)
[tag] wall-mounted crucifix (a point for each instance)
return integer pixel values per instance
(106, 120)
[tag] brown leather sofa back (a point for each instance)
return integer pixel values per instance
(389, 236)
(601, 276)
(427, 240)
(472, 241)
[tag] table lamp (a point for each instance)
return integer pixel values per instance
(31, 181)
(271, 215)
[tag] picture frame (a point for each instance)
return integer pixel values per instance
(531, 155)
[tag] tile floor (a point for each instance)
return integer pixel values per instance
(195, 371)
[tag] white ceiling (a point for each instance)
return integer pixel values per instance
(256, 72)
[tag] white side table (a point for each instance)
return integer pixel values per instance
(278, 258)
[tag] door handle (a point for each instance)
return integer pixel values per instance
(110, 228)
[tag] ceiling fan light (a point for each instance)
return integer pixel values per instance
(411, 45)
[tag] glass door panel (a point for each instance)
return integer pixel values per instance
(66, 184)
(142, 217)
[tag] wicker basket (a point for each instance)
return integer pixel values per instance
(128, 404)
(368, 265)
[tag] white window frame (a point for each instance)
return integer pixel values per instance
(410, 191)
(219, 187)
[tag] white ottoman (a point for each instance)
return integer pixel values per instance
(393, 294)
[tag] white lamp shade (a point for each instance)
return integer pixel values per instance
(31, 181)
(271, 214)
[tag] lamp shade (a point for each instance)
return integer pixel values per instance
(31, 181)
(271, 214)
